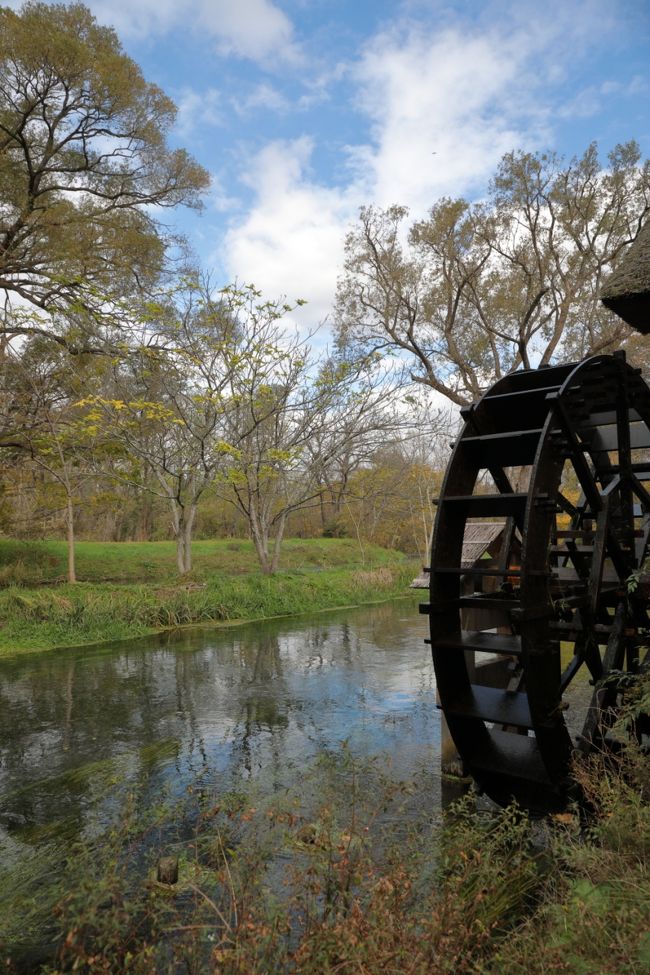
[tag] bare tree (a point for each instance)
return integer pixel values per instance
(475, 291)
(293, 423)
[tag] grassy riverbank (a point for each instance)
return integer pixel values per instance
(132, 589)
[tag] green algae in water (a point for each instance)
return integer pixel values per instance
(99, 774)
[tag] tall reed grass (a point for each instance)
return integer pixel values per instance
(87, 613)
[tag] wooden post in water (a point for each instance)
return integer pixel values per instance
(168, 871)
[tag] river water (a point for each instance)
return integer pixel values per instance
(252, 704)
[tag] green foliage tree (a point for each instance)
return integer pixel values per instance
(170, 406)
(84, 164)
(45, 433)
(230, 401)
(475, 291)
(164, 409)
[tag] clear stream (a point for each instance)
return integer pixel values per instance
(254, 703)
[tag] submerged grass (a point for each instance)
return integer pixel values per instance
(350, 876)
(65, 615)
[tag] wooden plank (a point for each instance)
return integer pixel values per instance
(511, 755)
(605, 438)
(474, 570)
(510, 449)
(487, 505)
(483, 642)
(492, 704)
(598, 558)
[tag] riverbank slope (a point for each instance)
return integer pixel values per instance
(132, 589)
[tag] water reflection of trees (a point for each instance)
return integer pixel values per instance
(69, 732)
(77, 725)
(74, 723)
(259, 733)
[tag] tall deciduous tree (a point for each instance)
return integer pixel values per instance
(165, 409)
(475, 291)
(43, 428)
(294, 421)
(171, 406)
(84, 164)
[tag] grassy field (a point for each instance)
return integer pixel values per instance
(132, 589)
(36, 563)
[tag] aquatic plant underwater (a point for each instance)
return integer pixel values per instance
(351, 872)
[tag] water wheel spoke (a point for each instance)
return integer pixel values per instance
(599, 717)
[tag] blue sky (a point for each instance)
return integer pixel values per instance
(304, 110)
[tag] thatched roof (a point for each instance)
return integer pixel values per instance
(478, 538)
(627, 290)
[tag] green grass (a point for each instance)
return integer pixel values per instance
(35, 563)
(41, 613)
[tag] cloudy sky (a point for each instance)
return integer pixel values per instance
(303, 110)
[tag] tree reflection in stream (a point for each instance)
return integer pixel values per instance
(87, 733)
(248, 703)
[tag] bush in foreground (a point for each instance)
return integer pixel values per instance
(353, 877)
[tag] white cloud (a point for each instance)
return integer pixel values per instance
(584, 104)
(439, 107)
(442, 106)
(136, 19)
(610, 87)
(291, 241)
(218, 198)
(197, 109)
(254, 29)
(444, 109)
(318, 87)
(637, 86)
(262, 96)
(590, 100)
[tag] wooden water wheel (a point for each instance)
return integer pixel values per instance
(568, 615)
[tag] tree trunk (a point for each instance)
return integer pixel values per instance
(177, 520)
(262, 550)
(260, 540)
(72, 574)
(278, 542)
(145, 507)
(180, 553)
(187, 537)
(183, 522)
(178, 525)
(143, 531)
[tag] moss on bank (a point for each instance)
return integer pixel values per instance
(64, 615)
